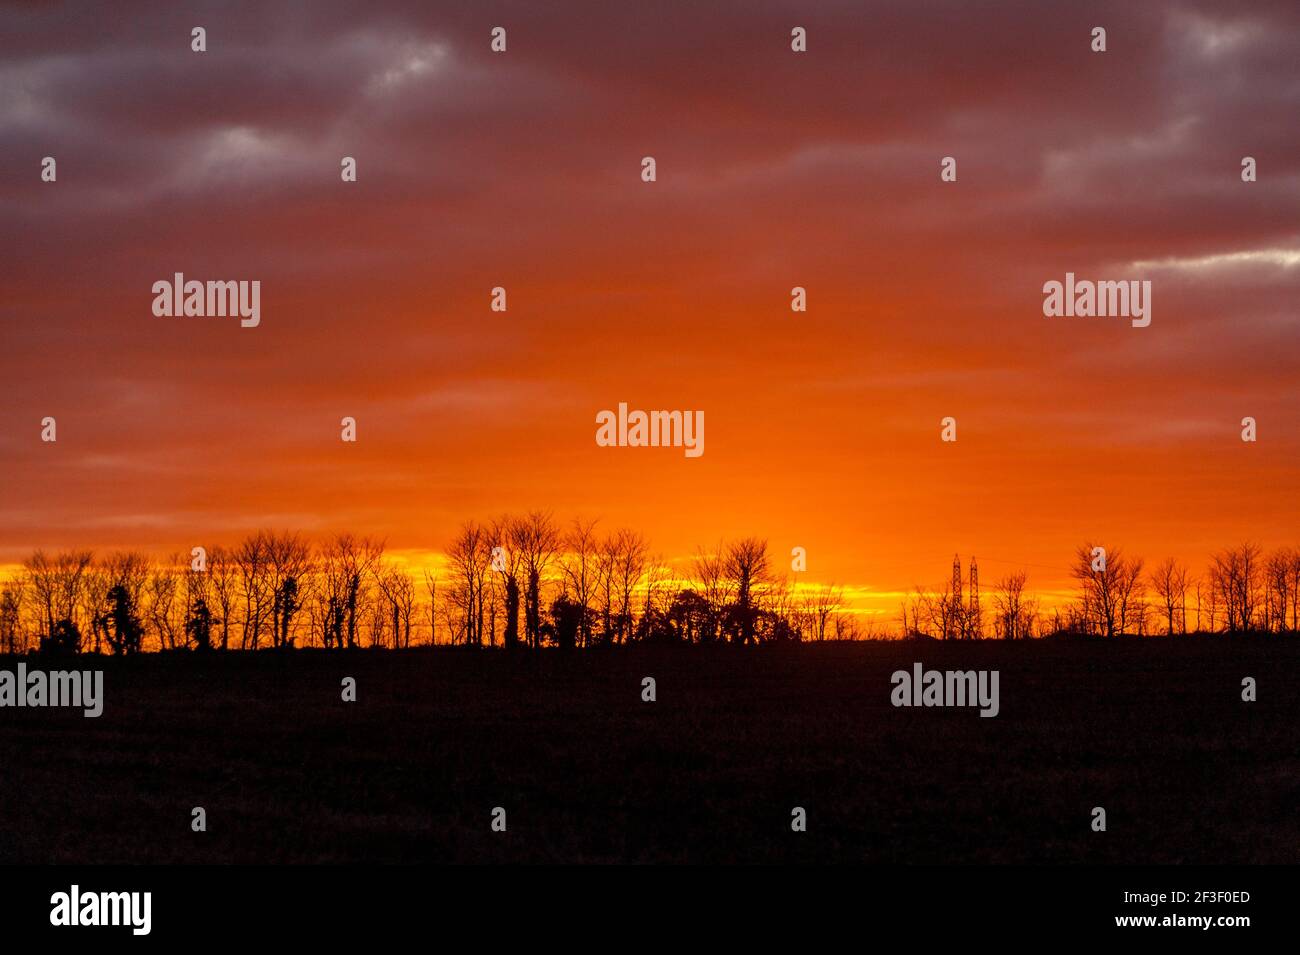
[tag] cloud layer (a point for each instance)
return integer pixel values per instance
(775, 169)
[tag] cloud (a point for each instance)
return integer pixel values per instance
(521, 169)
(1250, 258)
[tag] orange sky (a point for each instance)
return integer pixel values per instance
(774, 170)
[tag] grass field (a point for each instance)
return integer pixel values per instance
(1154, 731)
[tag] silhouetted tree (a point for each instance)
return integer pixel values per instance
(746, 566)
(566, 616)
(399, 594)
(820, 605)
(1235, 575)
(629, 558)
(431, 586)
(655, 594)
(538, 542)
(11, 611)
(286, 560)
(470, 556)
(512, 613)
(347, 566)
(126, 631)
(56, 584)
(164, 611)
(608, 590)
(690, 618)
(1014, 612)
(64, 639)
(580, 567)
(1281, 575)
(1169, 581)
(224, 573)
(1110, 598)
(286, 605)
(198, 625)
(713, 587)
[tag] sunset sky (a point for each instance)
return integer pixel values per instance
(775, 169)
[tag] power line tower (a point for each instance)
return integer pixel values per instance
(955, 627)
(974, 613)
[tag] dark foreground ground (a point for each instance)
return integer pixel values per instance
(1154, 731)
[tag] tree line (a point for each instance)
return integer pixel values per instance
(527, 581)
(1241, 590)
(520, 581)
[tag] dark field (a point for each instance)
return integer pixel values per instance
(1154, 731)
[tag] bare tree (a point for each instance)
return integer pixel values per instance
(654, 596)
(606, 608)
(286, 562)
(398, 591)
(223, 569)
(1293, 589)
(1169, 581)
(92, 604)
(399, 597)
(1212, 591)
(918, 614)
(1130, 585)
(470, 557)
(124, 583)
(538, 541)
(709, 571)
(1278, 574)
(933, 613)
(580, 567)
(629, 559)
(255, 591)
(1014, 610)
(506, 563)
(1235, 576)
(846, 626)
(165, 612)
(781, 618)
(11, 614)
(1111, 591)
(431, 587)
(821, 605)
(746, 567)
(56, 584)
(347, 564)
